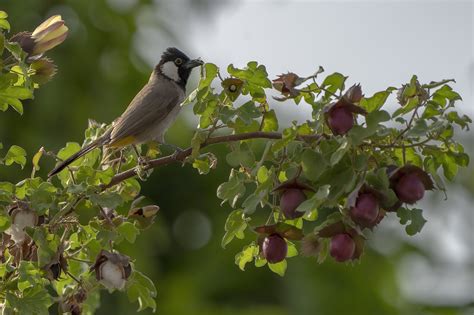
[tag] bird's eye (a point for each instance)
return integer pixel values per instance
(178, 61)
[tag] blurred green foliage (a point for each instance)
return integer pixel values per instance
(99, 72)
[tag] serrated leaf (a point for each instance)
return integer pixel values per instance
(235, 225)
(16, 155)
(414, 216)
(129, 231)
(246, 255)
(313, 164)
(231, 190)
(140, 288)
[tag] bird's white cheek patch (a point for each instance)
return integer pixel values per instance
(170, 70)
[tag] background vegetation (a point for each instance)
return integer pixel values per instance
(99, 72)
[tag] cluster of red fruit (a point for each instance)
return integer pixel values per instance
(409, 184)
(366, 209)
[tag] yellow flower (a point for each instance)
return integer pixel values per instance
(46, 36)
(49, 34)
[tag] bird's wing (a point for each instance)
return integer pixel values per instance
(149, 107)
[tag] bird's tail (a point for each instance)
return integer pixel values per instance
(88, 148)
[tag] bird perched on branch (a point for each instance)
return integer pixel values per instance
(151, 111)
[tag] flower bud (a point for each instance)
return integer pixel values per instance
(342, 247)
(145, 216)
(354, 94)
(49, 34)
(366, 210)
(46, 36)
(290, 200)
(112, 269)
(274, 248)
(340, 116)
(409, 183)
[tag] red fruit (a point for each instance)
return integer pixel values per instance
(342, 247)
(340, 120)
(274, 248)
(366, 210)
(410, 188)
(290, 200)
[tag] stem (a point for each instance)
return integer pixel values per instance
(182, 155)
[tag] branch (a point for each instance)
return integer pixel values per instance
(182, 155)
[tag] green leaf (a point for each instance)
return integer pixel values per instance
(231, 190)
(278, 268)
(85, 211)
(140, 288)
(376, 101)
(262, 174)
(211, 71)
(16, 155)
(411, 104)
(289, 134)
(5, 222)
(270, 121)
(241, 156)
(313, 164)
(414, 216)
(129, 231)
(333, 82)
(340, 152)
(246, 255)
(106, 199)
(463, 121)
(253, 74)
(250, 204)
(314, 202)
(12, 96)
(419, 129)
(68, 150)
(35, 300)
(235, 226)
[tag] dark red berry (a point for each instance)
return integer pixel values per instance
(274, 248)
(410, 188)
(342, 247)
(340, 120)
(366, 210)
(290, 200)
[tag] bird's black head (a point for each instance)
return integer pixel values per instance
(176, 66)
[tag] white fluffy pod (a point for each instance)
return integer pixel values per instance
(112, 269)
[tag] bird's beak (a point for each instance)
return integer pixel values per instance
(193, 63)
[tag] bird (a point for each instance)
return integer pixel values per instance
(151, 111)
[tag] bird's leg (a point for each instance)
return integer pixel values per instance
(141, 160)
(120, 161)
(141, 169)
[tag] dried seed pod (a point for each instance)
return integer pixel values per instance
(112, 269)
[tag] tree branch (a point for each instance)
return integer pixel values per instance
(180, 156)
